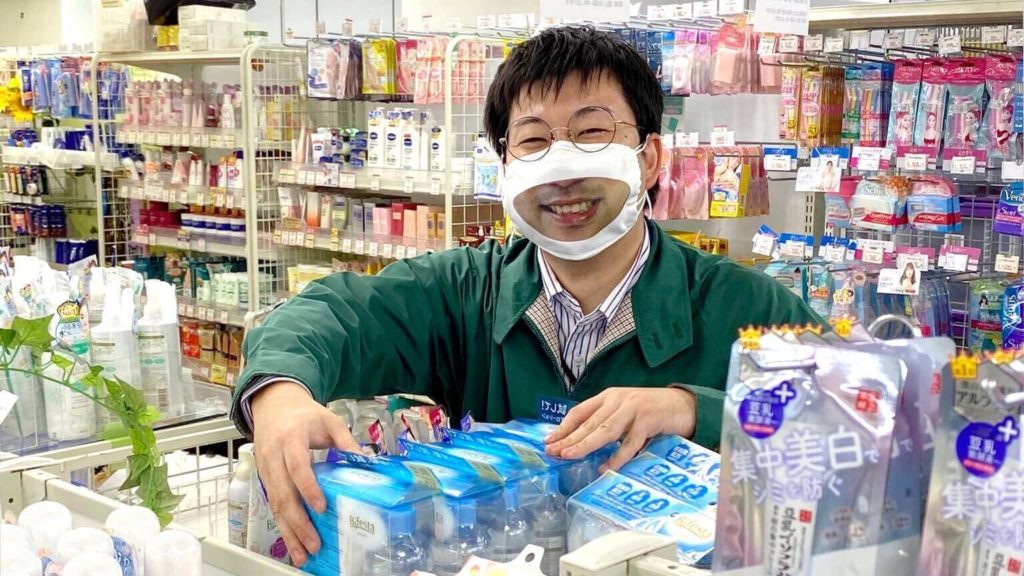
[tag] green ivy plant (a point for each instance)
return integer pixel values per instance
(133, 425)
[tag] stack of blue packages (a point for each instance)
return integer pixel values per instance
(671, 489)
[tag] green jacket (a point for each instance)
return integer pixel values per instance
(472, 329)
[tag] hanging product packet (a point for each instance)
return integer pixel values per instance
(880, 204)
(997, 125)
(852, 106)
(1013, 319)
(966, 79)
(1009, 217)
(810, 107)
(934, 204)
(906, 91)
(876, 80)
(789, 116)
(975, 513)
(806, 443)
(730, 55)
(931, 106)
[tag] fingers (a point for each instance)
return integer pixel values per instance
(604, 427)
(300, 470)
(296, 551)
(339, 434)
(630, 446)
(581, 428)
(575, 417)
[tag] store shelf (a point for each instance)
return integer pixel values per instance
(143, 59)
(213, 373)
(211, 312)
(213, 138)
(915, 15)
(58, 159)
(386, 180)
(344, 242)
(176, 238)
(198, 195)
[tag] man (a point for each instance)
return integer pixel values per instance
(596, 304)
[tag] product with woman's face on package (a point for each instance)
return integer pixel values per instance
(997, 126)
(906, 90)
(966, 79)
(931, 104)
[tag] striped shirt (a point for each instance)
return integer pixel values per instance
(579, 335)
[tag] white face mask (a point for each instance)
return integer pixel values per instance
(564, 161)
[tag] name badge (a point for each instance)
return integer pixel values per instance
(553, 410)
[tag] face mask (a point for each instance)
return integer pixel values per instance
(564, 161)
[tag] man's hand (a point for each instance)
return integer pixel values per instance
(287, 424)
(631, 414)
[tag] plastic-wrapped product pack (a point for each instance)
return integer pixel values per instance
(852, 106)
(806, 445)
(880, 204)
(931, 105)
(906, 90)
(984, 329)
(997, 125)
(975, 513)
(1009, 217)
(934, 204)
(1012, 317)
(966, 78)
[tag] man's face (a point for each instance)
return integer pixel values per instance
(577, 209)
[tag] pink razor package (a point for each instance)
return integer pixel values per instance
(975, 511)
(931, 105)
(966, 80)
(934, 204)
(906, 91)
(997, 126)
(807, 441)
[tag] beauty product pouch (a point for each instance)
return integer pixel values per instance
(906, 90)
(997, 126)
(931, 105)
(966, 80)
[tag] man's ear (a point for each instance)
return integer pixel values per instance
(650, 159)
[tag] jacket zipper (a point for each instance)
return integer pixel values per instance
(604, 352)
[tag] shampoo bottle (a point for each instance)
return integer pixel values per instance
(392, 140)
(113, 343)
(238, 497)
(160, 350)
(70, 414)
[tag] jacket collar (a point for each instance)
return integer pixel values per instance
(660, 298)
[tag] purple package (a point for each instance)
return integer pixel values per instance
(1009, 215)
(1013, 322)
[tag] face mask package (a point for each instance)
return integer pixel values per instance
(997, 126)
(378, 520)
(966, 79)
(975, 506)
(806, 444)
(906, 90)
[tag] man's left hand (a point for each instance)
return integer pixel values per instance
(633, 415)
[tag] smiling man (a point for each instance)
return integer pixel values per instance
(596, 305)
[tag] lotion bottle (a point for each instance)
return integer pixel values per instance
(160, 350)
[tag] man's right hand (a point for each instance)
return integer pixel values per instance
(287, 424)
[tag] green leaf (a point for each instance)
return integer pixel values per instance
(149, 416)
(7, 336)
(34, 333)
(138, 466)
(60, 361)
(95, 370)
(115, 431)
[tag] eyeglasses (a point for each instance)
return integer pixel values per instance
(590, 129)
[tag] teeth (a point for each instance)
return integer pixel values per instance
(577, 208)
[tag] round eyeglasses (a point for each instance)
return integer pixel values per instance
(590, 129)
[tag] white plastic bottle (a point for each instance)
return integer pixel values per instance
(131, 527)
(70, 415)
(403, 554)
(486, 166)
(160, 350)
(437, 148)
(113, 344)
(550, 524)
(238, 497)
(29, 416)
(392, 139)
(514, 534)
(227, 112)
(469, 537)
(81, 540)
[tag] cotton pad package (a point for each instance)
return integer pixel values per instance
(378, 514)
(997, 125)
(806, 445)
(975, 511)
(906, 90)
(1009, 217)
(934, 204)
(880, 204)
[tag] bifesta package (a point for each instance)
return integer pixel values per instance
(975, 512)
(378, 514)
(934, 204)
(806, 441)
(997, 126)
(616, 502)
(931, 105)
(906, 90)
(693, 458)
(657, 472)
(1009, 214)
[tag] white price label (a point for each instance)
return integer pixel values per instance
(435, 186)
(375, 182)
(454, 23)
(1007, 264)
(723, 137)
(778, 163)
(211, 314)
(190, 311)
(346, 245)
(873, 255)
(920, 261)
(166, 195)
(181, 308)
(794, 249)
(402, 25)
(223, 319)
(164, 139)
(893, 41)
(346, 180)
(870, 160)
(729, 7)
(388, 251)
(486, 22)
(7, 402)
(1012, 170)
(687, 139)
(924, 38)
(201, 244)
(360, 247)
(204, 140)
(400, 252)
(655, 13)
(374, 26)
(152, 239)
(176, 139)
(682, 12)
(956, 262)
(764, 244)
(834, 253)
(408, 184)
(1015, 37)
(766, 45)
(705, 9)
(789, 44)
(963, 164)
(411, 252)
(182, 196)
(915, 162)
(993, 35)
(949, 45)
(834, 44)
(814, 43)
(374, 249)
(505, 21)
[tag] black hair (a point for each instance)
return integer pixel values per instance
(543, 63)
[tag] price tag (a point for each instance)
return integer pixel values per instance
(505, 21)
(834, 44)
(793, 249)
(375, 182)
(347, 180)
(201, 244)
(1012, 170)
(687, 139)
(223, 317)
(166, 195)
(893, 41)
(766, 46)
(963, 164)
(211, 314)
(388, 251)
(151, 240)
(218, 199)
(486, 22)
(653, 13)
(176, 139)
(374, 250)
(216, 141)
(454, 23)
(346, 245)
(7, 402)
(814, 43)
(400, 252)
(190, 311)
(705, 9)
(360, 247)
(408, 184)
(869, 160)
(374, 26)
(764, 244)
(277, 236)
(873, 255)
(993, 35)
(789, 44)
(778, 163)
(1007, 264)
(204, 140)
(925, 38)
(411, 252)
(310, 240)
(729, 7)
(435, 186)
(949, 45)
(920, 261)
(1015, 37)
(915, 162)
(723, 137)
(956, 262)
(182, 196)
(334, 243)
(682, 12)
(164, 139)
(229, 139)
(219, 374)
(229, 201)
(181, 308)
(834, 253)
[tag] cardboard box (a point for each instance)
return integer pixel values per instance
(422, 218)
(397, 216)
(409, 221)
